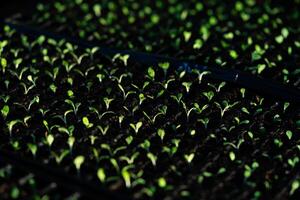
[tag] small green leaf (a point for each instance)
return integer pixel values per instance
(198, 44)
(155, 18)
(189, 157)
(187, 35)
(86, 122)
(232, 156)
(126, 177)
(78, 161)
(162, 183)
(295, 186)
(161, 133)
(3, 63)
(285, 32)
(279, 39)
(5, 111)
(50, 139)
(151, 73)
(101, 175)
(289, 134)
(97, 10)
(260, 68)
(233, 54)
(187, 86)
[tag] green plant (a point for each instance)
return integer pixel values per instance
(136, 126)
(87, 123)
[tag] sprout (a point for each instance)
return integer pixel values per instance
(187, 86)
(152, 158)
(123, 58)
(189, 157)
(68, 130)
(3, 63)
(198, 44)
(220, 86)
(187, 35)
(103, 130)
(5, 111)
(260, 68)
(15, 193)
(129, 139)
(293, 161)
(204, 121)
(294, 187)
(71, 141)
(161, 133)
(50, 139)
(32, 148)
(187, 111)
(136, 126)
(126, 176)
(86, 122)
(233, 54)
(141, 98)
(151, 73)
(107, 102)
(198, 109)
(162, 183)
(243, 90)
(226, 105)
(101, 175)
(164, 66)
(209, 95)
(232, 155)
(289, 134)
(177, 97)
(59, 158)
(125, 95)
(78, 161)
(286, 105)
(11, 124)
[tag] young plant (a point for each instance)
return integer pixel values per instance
(101, 175)
(164, 66)
(152, 158)
(78, 161)
(5, 111)
(50, 139)
(189, 157)
(161, 133)
(87, 123)
(136, 126)
(187, 86)
(33, 149)
(225, 106)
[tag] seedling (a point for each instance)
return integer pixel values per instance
(226, 106)
(78, 161)
(164, 66)
(289, 134)
(151, 73)
(5, 111)
(33, 148)
(50, 139)
(152, 158)
(127, 177)
(161, 133)
(189, 157)
(101, 175)
(87, 123)
(107, 102)
(136, 126)
(187, 86)
(162, 183)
